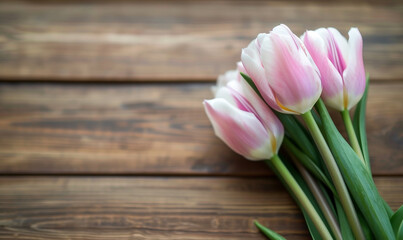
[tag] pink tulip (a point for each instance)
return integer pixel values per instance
(250, 130)
(340, 64)
(283, 71)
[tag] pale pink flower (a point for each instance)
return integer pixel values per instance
(283, 71)
(340, 64)
(243, 121)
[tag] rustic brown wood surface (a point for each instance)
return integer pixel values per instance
(148, 129)
(85, 157)
(153, 208)
(173, 40)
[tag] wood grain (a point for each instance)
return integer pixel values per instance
(153, 129)
(187, 183)
(153, 208)
(173, 40)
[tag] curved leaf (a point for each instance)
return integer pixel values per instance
(268, 233)
(359, 124)
(343, 222)
(397, 223)
(359, 181)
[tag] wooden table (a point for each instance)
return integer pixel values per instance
(102, 131)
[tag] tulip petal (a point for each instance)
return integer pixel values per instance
(332, 81)
(266, 115)
(241, 69)
(224, 79)
(225, 93)
(240, 130)
(291, 76)
(337, 47)
(354, 74)
(251, 61)
(341, 43)
(283, 31)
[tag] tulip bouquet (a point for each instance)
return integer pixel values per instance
(277, 97)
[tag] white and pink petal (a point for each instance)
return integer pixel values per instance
(240, 130)
(354, 74)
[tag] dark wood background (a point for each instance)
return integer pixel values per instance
(102, 130)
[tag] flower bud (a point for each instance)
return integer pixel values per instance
(252, 131)
(340, 64)
(283, 71)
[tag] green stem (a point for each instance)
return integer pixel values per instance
(335, 174)
(300, 195)
(351, 135)
(323, 204)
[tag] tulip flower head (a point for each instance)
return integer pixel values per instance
(340, 64)
(252, 131)
(283, 71)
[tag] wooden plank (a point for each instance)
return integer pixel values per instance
(175, 40)
(153, 208)
(148, 129)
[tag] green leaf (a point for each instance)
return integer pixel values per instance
(365, 227)
(358, 180)
(345, 226)
(298, 134)
(345, 229)
(359, 128)
(397, 223)
(317, 119)
(268, 233)
(387, 208)
(359, 124)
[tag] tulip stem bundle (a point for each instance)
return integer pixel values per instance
(335, 175)
(302, 198)
(320, 198)
(351, 134)
(330, 179)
